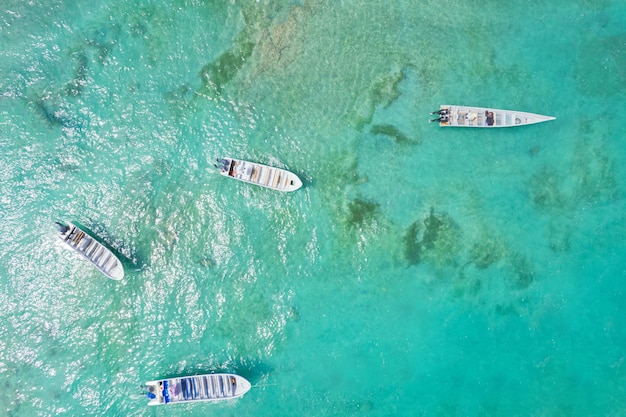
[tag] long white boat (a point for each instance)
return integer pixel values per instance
(92, 250)
(197, 388)
(464, 116)
(263, 175)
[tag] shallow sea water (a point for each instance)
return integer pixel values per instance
(419, 271)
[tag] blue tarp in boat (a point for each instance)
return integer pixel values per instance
(166, 392)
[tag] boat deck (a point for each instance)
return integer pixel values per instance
(471, 118)
(205, 387)
(93, 251)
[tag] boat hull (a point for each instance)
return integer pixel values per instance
(197, 388)
(259, 174)
(466, 116)
(92, 250)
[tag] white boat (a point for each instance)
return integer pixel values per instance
(464, 116)
(197, 388)
(92, 250)
(263, 175)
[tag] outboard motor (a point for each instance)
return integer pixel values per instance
(223, 164)
(61, 227)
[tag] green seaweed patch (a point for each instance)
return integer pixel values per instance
(560, 235)
(605, 79)
(392, 132)
(506, 310)
(345, 170)
(523, 272)
(53, 110)
(594, 173)
(352, 406)
(350, 174)
(281, 44)
(341, 179)
(253, 313)
(545, 189)
(181, 99)
(75, 87)
(103, 41)
(412, 243)
(435, 238)
(589, 180)
(467, 287)
(382, 93)
(385, 91)
(217, 74)
(534, 150)
(362, 212)
(485, 253)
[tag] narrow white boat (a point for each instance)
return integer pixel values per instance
(92, 250)
(263, 175)
(464, 116)
(197, 388)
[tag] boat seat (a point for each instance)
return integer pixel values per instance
(105, 263)
(184, 389)
(92, 248)
(86, 243)
(260, 174)
(277, 179)
(188, 388)
(214, 387)
(98, 254)
(254, 175)
(229, 384)
(205, 386)
(77, 237)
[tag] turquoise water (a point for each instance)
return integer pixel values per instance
(420, 271)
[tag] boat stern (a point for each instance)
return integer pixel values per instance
(225, 165)
(154, 393)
